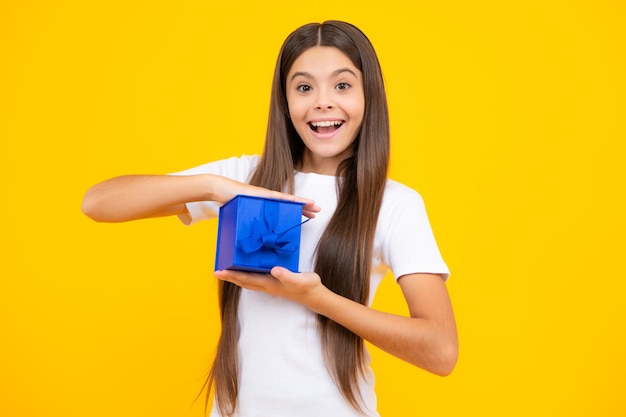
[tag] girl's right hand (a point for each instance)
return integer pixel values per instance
(224, 189)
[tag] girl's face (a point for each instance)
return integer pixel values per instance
(326, 106)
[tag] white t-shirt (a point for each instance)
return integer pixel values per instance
(283, 373)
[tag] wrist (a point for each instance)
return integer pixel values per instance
(207, 187)
(319, 299)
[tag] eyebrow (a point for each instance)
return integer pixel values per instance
(334, 74)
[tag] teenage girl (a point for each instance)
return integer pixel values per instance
(292, 343)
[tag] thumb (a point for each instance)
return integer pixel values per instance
(279, 272)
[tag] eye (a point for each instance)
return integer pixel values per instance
(343, 86)
(303, 88)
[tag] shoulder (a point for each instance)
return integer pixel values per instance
(398, 194)
(236, 167)
(401, 205)
(244, 163)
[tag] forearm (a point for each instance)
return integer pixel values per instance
(426, 343)
(134, 197)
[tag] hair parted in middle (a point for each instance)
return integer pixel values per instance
(344, 252)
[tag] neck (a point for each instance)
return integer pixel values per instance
(317, 165)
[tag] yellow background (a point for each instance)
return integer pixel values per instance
(508, 117)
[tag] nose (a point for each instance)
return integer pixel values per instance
(324, 102)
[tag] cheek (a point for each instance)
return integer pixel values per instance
(357, 113)
(355, 107)
(296, 109)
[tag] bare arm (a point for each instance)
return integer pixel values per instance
(133, 197)
(426, 339)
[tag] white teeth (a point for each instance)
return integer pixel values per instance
(326, 123)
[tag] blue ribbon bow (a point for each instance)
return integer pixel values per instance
(264, 237)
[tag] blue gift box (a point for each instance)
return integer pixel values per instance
(255, 234)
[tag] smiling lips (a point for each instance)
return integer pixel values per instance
(325, 126)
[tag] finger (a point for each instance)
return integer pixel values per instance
(248, 280)
(280, 273)
(239, 275)
(309, 205)
(234, 277)
(310, 210)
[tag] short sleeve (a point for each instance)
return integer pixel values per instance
(236, 168)
(409, 245)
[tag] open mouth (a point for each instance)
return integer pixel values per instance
(327, 126)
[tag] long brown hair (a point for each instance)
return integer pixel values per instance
(344, 251)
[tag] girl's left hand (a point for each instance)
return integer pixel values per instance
(301, 287)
